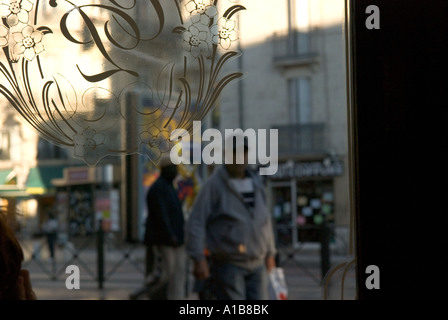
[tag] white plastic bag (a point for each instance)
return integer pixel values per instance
(278, 289)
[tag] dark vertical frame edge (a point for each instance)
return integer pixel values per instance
(355, 230)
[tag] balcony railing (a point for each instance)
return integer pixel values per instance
(295, 48)
(301, 139)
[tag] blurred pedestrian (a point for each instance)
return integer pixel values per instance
(15, 282)
(50, 229)
(164, 237)
(231, 218)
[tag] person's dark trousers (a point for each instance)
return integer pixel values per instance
(51, 239)
(235, 283)
(145, 290)
(149, 260)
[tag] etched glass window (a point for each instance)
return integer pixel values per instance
(115, 77)
(103, 84)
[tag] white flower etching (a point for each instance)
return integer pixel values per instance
(154, 142)
(224, 32)
(28, 43)
(15, 11)
(195, 41)
(90, 146)
(4, 36)
(201, 10)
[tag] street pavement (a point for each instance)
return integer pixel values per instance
(123, 270)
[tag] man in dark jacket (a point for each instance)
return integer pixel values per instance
(165, 235)
(165, 222)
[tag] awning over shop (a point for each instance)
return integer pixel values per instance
(13, 193)
(7, 177)
(3, 175)
(39, 179)
(8, 188)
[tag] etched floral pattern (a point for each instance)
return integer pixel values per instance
(224, 32)
(195, 41)
(154, 142)
(207, 27)
(201, 11)
(15, 11)
(93, 121)
(28, 43)
(90, 146)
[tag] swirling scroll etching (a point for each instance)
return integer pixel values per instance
(115, 77)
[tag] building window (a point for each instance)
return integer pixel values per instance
(5, 145)
(299, 92)
(298, 27)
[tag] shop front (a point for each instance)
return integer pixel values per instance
(86, 196)
(29, 192)
(303, 200)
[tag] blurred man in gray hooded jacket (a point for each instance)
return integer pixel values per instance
(230, 218)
